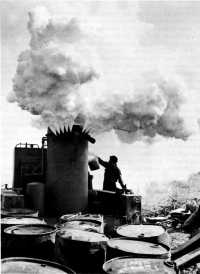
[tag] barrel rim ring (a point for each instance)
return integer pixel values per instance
(54, 230)
(138, 240)
(105, 239)
(18, 212)
(39, 261)
(22, 217)
(83, 220)
(130, 257)
(137, 237)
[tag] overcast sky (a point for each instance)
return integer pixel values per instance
(174, 30)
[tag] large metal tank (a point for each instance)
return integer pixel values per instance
(67, 172)
(29, 162)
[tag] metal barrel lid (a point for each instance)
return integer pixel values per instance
(19, 212)
(68, 217)
(87, 217)
(137, 247)
(19, 220)
(131, 265)
(82, 225)
(24, 265)
(81, 235)
(30, 230)
(140, 231)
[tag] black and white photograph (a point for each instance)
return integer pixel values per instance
(100, 137)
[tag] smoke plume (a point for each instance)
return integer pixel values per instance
(94, 71)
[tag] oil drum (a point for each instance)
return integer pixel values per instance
(87, 222)
(36, 240)
(117, 247)
(91, 226)
(12, 221)
(83, 251)
(24, 265)
(18, 220)
(130, 265)
(19, 212)
(68, 217)
(150, 233)
(79, 216)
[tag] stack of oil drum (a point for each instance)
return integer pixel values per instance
(81, 245)
(78, 242)
(138, 249)
(28, 244)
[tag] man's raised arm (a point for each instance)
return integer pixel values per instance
(103, 163)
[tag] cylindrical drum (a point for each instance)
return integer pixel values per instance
(67, 173)
(30, 240)
(19, 212)
(150, 233)
(68, 217)
(85, 225)
(24, 265)
(35, 196)
(130, 265)
(12, 221)
(88, 222)
(88, 248)
(118, 247)
(79, 216)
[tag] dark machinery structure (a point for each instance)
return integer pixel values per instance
(29, 163)
(61, 164)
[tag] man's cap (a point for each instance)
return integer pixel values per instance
(114, 158)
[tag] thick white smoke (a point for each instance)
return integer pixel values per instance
(94, 71)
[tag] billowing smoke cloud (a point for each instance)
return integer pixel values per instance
(93, 71)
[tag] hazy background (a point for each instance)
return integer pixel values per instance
(174, 32)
